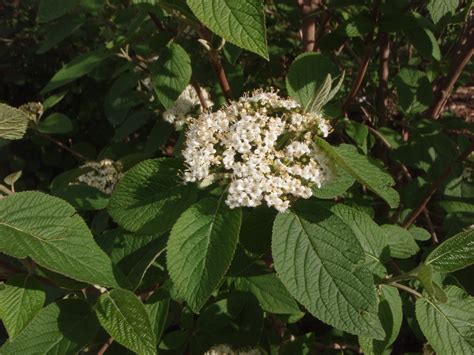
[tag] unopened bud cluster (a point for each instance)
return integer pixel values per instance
(103, 175)
(262, 145)
(186, 106)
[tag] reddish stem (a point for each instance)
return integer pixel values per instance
(444, 86)
(434, 187)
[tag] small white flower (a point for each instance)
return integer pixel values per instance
(185, 106)
(264, 145)
(103, 175)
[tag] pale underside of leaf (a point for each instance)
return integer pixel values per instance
(13, 122)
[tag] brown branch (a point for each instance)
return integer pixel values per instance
(5, 190)
(216, 64)
(106, 345)
(382, 90)
(321, 30)
(444, 86)
(200, 95)
(434, 237)
(65, 147)
(434, 187)
(14, 270)
(156, 20)
(364, 64)
(308, 28)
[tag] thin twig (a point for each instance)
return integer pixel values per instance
(406, 289)
(216, 64)
(443, 88)
(199, 92)
(106, 345)
(382, 90)
(364, 64)
(156, 20)
(434, 187)
(65, 147)
(5, 190)
(321, 30)
(14, 270)
(434, 237)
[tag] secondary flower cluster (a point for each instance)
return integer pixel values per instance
(187, 105)
(103, 175)
(262, 145)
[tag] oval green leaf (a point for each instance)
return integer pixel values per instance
(48, 230)
(321, 263)
(239, 22)
(200, 249)
(125, 318)
(151, 197)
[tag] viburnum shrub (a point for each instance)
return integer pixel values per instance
(236, 176)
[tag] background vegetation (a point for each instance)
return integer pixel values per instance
(88, 80)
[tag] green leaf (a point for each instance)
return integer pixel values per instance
(371, 237)
(439, 8)
(448, 327)
(171, 73)
(60, 31)
(402, 243)
(425, 42)
(363, 169)
(13, 122)
(48, 230)
(270, 293)
(125, 318)
(157, 307)
(83, 197)
(424, 273)
(151, 197)
(79, 66)
(56, 123)
(53, 100)
(320, 95)
(132, 253)
(122, 97)
(420, 233)
(170, 6)
(324, 94)
(200, 249)
(236, 320)
(414, 90)
(339, 184)
(391, 316)
(257, 221)
(64, 327)
(321, 263)
(453, 254)
(359, 133)
(132, 124)
(307, 73)
(52, 9)
(20, 300)
(239, 22)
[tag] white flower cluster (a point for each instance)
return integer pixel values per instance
(103, 175)
(224, 349)
(263, 145)
(187, 105)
